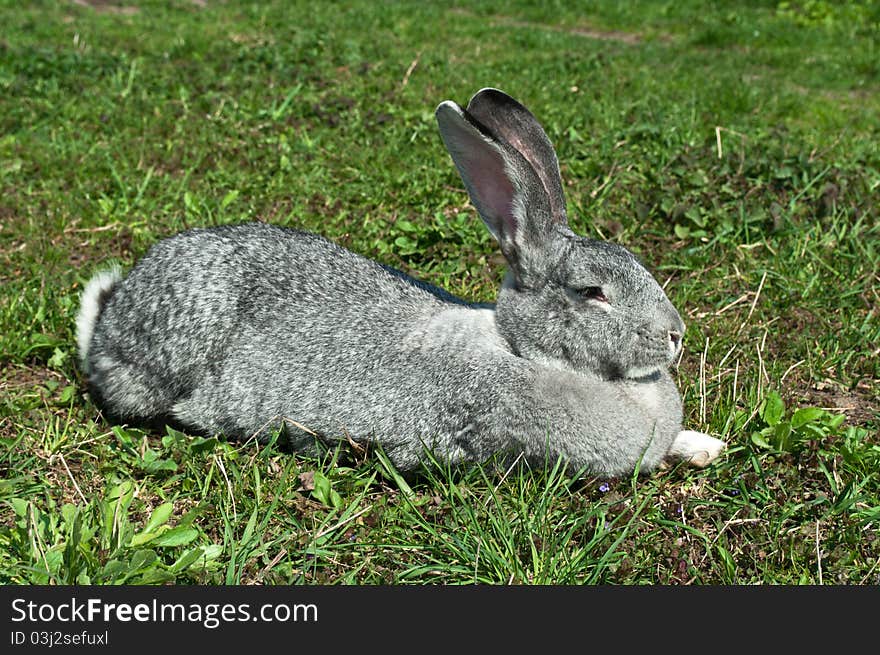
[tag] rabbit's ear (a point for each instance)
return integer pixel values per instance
(510, 121)
(504, 187)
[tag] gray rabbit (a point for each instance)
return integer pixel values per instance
(236, 329)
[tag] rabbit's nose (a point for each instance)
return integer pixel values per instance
(675, 338)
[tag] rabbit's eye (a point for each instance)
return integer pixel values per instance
(593, 293)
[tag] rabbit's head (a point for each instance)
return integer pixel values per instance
(567, 301)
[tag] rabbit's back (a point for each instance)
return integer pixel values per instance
(203, 287)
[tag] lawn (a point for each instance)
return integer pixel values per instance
(734, 146)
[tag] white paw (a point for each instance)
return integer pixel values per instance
(696, 448)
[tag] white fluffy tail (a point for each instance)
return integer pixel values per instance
(90, 304)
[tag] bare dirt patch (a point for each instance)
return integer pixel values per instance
(108, 7)
(84, 245)
(15, 378)
(860, 405)
(586, 31)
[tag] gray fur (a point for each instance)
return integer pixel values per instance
(230, 329)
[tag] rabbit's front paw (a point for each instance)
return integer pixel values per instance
(696, 448)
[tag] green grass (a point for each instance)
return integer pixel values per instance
(734, 146)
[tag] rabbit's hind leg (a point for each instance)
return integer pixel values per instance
(126, 394)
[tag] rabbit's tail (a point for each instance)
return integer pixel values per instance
(91, 303)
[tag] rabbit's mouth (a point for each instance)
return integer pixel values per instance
(646, 362)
